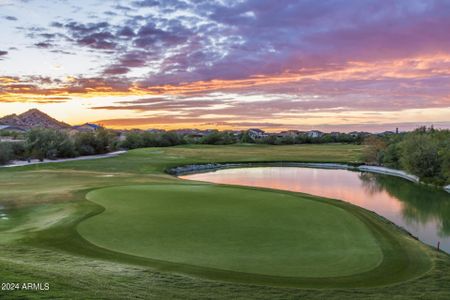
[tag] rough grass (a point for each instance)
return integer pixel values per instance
(44, 203)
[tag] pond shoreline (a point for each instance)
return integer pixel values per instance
(210, 167)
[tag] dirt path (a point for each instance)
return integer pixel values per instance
(20, 163)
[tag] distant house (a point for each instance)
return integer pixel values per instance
(289, 133)
(11, 128)
(87, 127)
(197, 134)
(191, 133)
(257, 134)
(234, 133)
(11, 133)
(335, 134)
(314, 134)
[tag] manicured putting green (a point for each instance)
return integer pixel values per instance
(232, 229)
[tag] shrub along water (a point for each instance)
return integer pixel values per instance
(425, 152)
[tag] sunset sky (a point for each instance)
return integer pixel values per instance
(279, 64)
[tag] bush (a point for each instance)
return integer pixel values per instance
(420, 156)
(98, 142)
(133, 140)
(218, 138)
(49, 143)
(6, 153)
(171, 139)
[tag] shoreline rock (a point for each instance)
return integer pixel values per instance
(388, 171)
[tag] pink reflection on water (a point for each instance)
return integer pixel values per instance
(338, 184)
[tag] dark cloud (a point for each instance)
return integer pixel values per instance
(59, 51)
(94, 35)
(110, 13)
(11, 18)
(57, 24)
(135, 59)
(38, 85)
(43, 45)
(99, 40)
(125, 31)
(3, 53)
(116, 70)
(149, 36)
(122, 8)
(146, 3)
(48, 35)
(163, 104)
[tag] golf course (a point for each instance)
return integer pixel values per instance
(122, 227)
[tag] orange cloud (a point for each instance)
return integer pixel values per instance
(13, 89)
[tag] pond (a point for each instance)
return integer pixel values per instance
(421, 210)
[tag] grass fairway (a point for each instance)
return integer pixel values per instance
(146, 234)
(232, 229)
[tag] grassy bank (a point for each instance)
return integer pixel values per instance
(44, 204)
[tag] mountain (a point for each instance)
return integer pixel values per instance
(32, 119)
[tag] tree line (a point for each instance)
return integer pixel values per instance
(40, 143)
(139, 139)
(424, 152)
(43, 144)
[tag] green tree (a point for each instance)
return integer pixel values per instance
(133, 140)
(271, 140)
(246, 138)
(287, 140)
(171, 139)
(392, 155)
(85, 143)
(213, 138)
(49, 143)
(420, 156)
(374, 150)
(105, 141)
(218, 138)
(151, 139)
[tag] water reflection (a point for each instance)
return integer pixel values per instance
(423, 211)
(422, 204)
